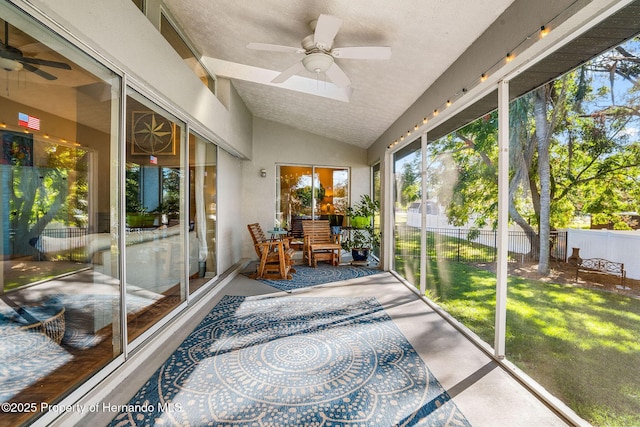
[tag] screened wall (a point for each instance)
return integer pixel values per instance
(552, 299)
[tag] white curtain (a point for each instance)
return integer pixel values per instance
(201, 218)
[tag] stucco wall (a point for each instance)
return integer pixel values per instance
(230, 193)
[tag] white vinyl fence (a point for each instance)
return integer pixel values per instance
(617, 246)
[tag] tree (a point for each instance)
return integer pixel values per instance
(572, 150)
(409, 185)
(40, 195)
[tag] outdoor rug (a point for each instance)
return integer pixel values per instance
(293, 361)
(306, 276)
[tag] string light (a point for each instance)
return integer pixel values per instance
(540, 33)
(543, 31)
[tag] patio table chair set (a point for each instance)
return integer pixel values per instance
(275, 255)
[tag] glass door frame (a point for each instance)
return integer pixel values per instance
(281, 218)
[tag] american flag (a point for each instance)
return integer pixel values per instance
(28, 121)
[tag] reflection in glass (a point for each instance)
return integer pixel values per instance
(332, 191)
(154, 251)
(60, 295)
(202, 208)
(294, 197)
(461, 211)
(186, 53)
(407, 189)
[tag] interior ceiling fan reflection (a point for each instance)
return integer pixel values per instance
(12, 59)
(320, 54)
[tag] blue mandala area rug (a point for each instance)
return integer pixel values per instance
(293, 361)
(306, 276)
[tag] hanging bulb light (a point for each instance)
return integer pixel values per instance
(543, 31)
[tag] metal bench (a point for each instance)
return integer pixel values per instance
(603, 266)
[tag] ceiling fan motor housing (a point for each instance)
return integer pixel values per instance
(10, 64)
(317, 62)
(320, 54)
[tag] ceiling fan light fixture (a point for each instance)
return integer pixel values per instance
(317, 62)
(10, 64)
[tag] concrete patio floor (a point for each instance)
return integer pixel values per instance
(485, 392)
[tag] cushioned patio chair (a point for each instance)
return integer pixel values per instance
(275, 257)
(319, 243)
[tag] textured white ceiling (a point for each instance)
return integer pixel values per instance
(426, 37)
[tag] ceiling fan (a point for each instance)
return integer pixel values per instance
(320, 53)
(12, 59)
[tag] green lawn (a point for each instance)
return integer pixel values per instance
(582, 345)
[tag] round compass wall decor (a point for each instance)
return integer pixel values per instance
(152, 134)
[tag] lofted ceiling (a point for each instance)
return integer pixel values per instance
(425, 38)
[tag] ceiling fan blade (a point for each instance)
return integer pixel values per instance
(45, 62)
(17, 56)
(326, 29)
(275, 48)
(39, 72)
(291, 71)
(362, 52)
(337, 76)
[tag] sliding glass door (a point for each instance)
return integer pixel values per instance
(154, 235)
(310, 192)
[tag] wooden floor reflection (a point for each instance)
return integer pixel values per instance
(81, 361)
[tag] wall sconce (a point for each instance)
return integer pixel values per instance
(263, 173)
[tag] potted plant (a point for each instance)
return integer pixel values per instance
(137, 215)
(362, 236)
